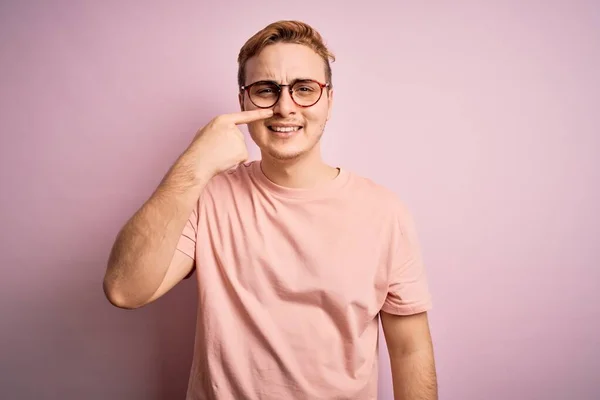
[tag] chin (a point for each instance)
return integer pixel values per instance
(284, 155)
(282, 150)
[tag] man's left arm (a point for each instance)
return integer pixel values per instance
(411, 356)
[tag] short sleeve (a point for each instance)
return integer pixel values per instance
(187, 240)
(408, 291)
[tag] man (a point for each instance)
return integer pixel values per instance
(296, 261)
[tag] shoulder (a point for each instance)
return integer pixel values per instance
(392, 214)
(384, 206)
(230, 183)
(367, 190)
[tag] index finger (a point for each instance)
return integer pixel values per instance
(245, 117)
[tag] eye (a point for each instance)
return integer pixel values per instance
(264, 91)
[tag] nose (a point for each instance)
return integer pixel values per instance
(285, 106)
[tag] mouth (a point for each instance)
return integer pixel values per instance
(284, 130)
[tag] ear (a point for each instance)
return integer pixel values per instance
(241, 100)
(329, 103)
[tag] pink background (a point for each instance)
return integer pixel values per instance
(482, 116)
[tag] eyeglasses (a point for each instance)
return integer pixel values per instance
(304, 92)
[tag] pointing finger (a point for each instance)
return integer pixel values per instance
(245, 117)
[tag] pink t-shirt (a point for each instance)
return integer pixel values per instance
(291, 283)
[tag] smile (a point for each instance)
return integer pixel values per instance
(284, 129)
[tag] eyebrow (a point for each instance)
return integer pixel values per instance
(290, 82)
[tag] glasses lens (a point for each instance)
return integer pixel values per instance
(264, 94)
(306, 93)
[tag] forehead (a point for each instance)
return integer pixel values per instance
(284, 62)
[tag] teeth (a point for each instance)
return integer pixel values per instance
(285, 129)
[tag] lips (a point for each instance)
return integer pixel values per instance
(284, 129)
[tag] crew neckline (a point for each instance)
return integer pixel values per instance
(321, 190)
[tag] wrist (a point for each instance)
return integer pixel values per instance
(196, 162)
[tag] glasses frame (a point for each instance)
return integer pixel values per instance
(245, 88)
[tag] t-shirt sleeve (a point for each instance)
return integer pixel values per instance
(408, 291)
(187, 240)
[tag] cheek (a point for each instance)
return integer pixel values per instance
(316, 117)
(255, 128)
(247, 104)
(258, 131)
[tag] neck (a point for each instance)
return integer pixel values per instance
(301, 172)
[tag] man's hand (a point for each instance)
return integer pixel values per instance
(143, 264)
(219, 146)
(411, 356)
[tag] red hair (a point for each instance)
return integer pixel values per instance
(284, 32)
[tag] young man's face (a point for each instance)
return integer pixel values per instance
(277, 136)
